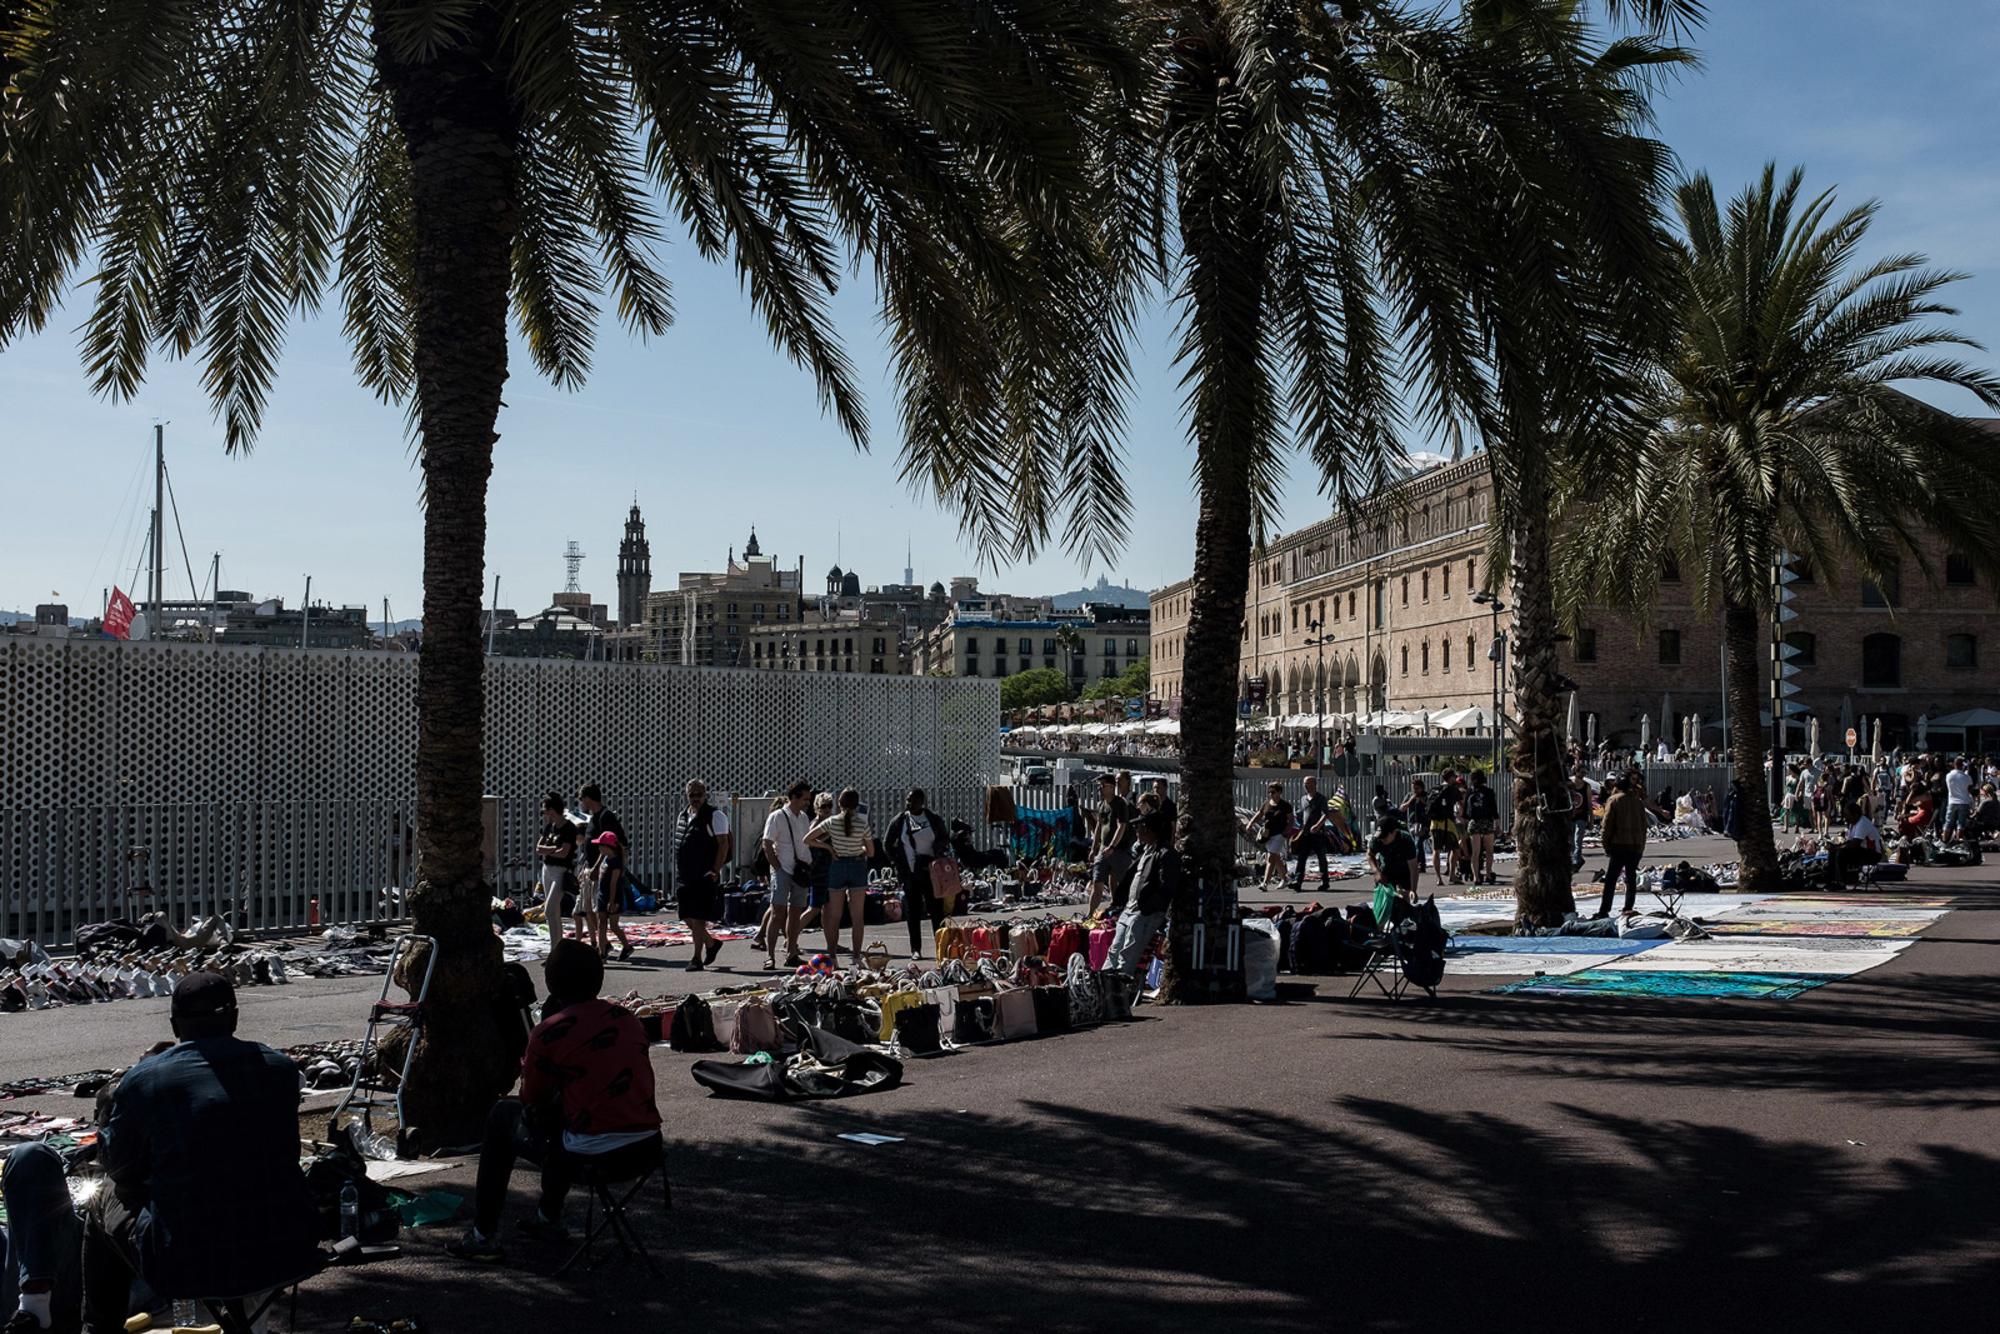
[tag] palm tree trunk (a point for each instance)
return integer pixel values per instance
(1542, 894)
(1214, 647)
(461, 129)
(1224, 231)
(1749, 673)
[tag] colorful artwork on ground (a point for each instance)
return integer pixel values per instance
(1837, 956)
(1607, 982)
(1554, 944)
(1508, 963)
(1878, 927)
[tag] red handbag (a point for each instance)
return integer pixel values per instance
(985, 942)
(1065, 940)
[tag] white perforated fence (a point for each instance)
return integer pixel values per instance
(265, 778)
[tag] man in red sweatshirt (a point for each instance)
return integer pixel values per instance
(586, 1092)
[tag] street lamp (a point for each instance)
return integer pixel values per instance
(1317, 641)
(1496, 654)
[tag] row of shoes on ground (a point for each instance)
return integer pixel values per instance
(86, 982)
(163, 968)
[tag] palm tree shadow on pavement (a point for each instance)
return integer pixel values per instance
(1363, 1213)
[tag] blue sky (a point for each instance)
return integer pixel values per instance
(715, 431)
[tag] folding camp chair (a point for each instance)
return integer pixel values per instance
(1388, 949)
(609, 1199)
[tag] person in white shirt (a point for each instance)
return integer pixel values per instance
(785, 852)
(1958, 789)
(1862, 848)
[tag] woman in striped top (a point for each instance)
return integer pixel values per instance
(845, 834)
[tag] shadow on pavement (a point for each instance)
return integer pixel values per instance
(1373, 1214)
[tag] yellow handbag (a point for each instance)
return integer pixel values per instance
(892, 1004)
(951, 941)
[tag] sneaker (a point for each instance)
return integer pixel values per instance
(23, 1322)
(695, 965)
(478, 1249)
(541, 1229)
(625, 951)
(714, 948)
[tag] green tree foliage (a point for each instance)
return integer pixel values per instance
(1040, 685)
(1132, 683)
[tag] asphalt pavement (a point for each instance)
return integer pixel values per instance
(1476, 1162)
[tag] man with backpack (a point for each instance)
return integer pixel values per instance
(701, 852)
(1482, 823)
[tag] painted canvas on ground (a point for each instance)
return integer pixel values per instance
(1610, 945)
(1835, 956)
(1607, 982)
(1509, 963)
(1878, 927)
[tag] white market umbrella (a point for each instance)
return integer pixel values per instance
(1923, 733)
(1590, 730)
(1666, 713)
(1812, 735)
(1645, 732)
(1569, 719)
(1875, 742)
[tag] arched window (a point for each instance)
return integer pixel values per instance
(1882, 661)
(1406, 659)
(1444, 664)
(1425, 579)
(1471, 651)
(1426, 657)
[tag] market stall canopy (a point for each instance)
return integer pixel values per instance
(1953, 722)
(1164, 727)
(1457, 718)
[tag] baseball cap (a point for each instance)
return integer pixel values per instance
(203, 996)
(606, 837)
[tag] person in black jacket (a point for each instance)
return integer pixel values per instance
(1312, 834)
(201, 1145)
(1482, 823)
(915, 839)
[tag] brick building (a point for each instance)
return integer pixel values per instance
(1393, 588)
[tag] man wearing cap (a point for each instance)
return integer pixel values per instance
(201, 1145)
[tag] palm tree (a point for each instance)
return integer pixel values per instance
(1071, 644)
(1298, 174)
(1567, 318)
(220, 167)
(1777, 435)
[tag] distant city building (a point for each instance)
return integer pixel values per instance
(558, 631)
(705, 621)
(1393, 593)
(271, 625)
(843, 641)
(999, 636)
(635, 572)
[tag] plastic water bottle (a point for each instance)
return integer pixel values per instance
(350, 1211)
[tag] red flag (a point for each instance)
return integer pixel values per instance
(118, 616)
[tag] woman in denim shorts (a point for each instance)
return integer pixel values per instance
(846, 835)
